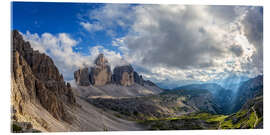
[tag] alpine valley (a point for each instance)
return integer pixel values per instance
(121, 99)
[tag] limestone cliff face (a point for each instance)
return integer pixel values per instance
(81, 77)
(36, 79)
(101, 73)
(123, 75)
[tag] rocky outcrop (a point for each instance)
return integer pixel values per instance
(123, 75)
(149, 83)
(248, 90)
(101, 73)
(81, 77)
(138, 79)
(36, 79)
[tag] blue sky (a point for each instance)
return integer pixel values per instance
(171, 45)
(41, 17)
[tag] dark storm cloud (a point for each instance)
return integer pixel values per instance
(184, 42)
(225, 13)
(253, 28)
(237, 50)
(173, 41)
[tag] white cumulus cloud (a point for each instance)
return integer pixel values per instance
(179, 42)
(60, 48)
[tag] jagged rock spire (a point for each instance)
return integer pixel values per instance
(101, 60)
(123, 75)
(101, 74)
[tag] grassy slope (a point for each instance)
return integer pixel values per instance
(249, 117)
(241, 119)
(187, 122)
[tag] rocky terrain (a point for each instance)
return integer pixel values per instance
(120, 99)
(248, 90)
(221, 97)
(37, 81)
(122, 82)
(81, 76)
(163, 105)
(45, 102)
(250, 116)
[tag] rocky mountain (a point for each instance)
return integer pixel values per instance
(199, 99)
(81, 77)
(232, 82)
(37, 82)
(228, 100)
(36, 79)
(42, 101)
(221, 97)
(248, 90)
(100, 74)
(139, 79)
(99, 81)
(123, 75)
(211, 87)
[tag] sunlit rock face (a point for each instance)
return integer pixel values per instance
(36, 80)
(100, 74)
(123, 75)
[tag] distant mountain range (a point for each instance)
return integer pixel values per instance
(230, 100)
(232, 82)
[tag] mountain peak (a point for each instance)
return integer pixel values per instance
(101, 74)
(101, 60)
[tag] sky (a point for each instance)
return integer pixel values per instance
(171, 45)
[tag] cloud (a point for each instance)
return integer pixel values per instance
(253, 30)
(237, 50)
(167, 43)
(177, 42)
(109, 18)
(114, 58)
(163, 40)
(91, 27)
(253, 26)
(60, 48)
